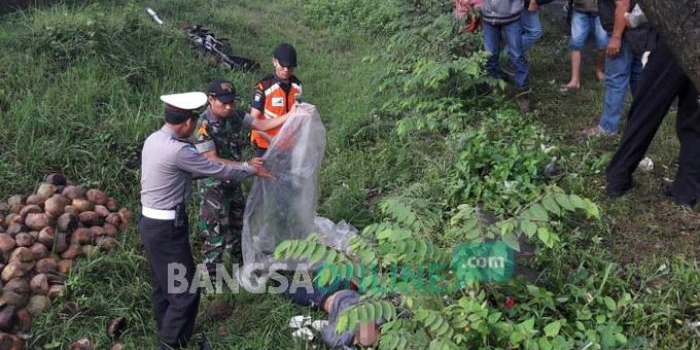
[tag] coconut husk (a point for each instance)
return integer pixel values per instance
(82, 204)
(17, 285)
(15, 228)
(39, 284)
(218, 309)
(7, 244)
(110, 230)
(9, 219)
(33, 208)
(90, 218)
(12, 218)
(73, 252)
(16, 269)
(16, 208)
(47, 236)
(81, 235)
(101, 210)
(64, 266)
(118, 346)
(55, 291)
(7, 315)
(97, 231)
(24, 239)
(15, 200)
(116, 327)
(112, 204)
(69, 209)
(127, 216)
(39, 251)
(67, 222)
(96, 196)
(46, 265)
(113, 219)
(36, 199)
(106, 243)
(55, 205)
(82, 344)
(46, 189)
(73, 192)
(56, 278)
(38, 304)
(21, 254)
(60, 243)
(56, 179)
(24, 319)
(37, 221)
(19, 300)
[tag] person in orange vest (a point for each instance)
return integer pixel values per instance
(275, 94)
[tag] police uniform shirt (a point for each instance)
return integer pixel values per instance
(167, 167)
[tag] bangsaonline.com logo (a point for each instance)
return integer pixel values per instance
(487, 262)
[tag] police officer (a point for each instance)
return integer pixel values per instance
(662, 82)
(275, 94)
(219, 136)
(167, 166)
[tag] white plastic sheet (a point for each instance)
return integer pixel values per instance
(285, 208)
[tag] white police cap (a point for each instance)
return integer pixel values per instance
(186, 101)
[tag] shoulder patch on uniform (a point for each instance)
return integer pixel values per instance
(202, 131)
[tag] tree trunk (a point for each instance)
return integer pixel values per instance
(679, 24)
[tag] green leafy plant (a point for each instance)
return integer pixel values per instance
(410, 283)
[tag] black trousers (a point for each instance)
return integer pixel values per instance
(662, 81)
(175, 309)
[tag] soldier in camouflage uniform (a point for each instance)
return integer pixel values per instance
(220, 136)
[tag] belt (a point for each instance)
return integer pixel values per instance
(158, 214)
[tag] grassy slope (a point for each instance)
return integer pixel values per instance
(102, 95)
(41, 93)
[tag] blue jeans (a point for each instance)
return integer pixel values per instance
(532, 28)
(583, 24)
(492, 44)
(621, 70)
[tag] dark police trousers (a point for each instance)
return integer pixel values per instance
(662, 80)
(175, 312)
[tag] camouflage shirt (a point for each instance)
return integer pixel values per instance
(225, 135)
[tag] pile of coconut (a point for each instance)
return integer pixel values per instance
(40, 236)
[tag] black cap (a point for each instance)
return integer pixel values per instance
(223, 90)
(286, 55)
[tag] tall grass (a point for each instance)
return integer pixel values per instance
(80, 91)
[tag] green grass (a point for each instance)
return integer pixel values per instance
(79, 95)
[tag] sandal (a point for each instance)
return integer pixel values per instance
(567, 88)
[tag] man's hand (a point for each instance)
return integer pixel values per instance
(467, 4)
(533, 6)
(256, 162)
(614, 45)
(260, 170)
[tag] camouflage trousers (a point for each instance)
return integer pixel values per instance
(220, 220)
